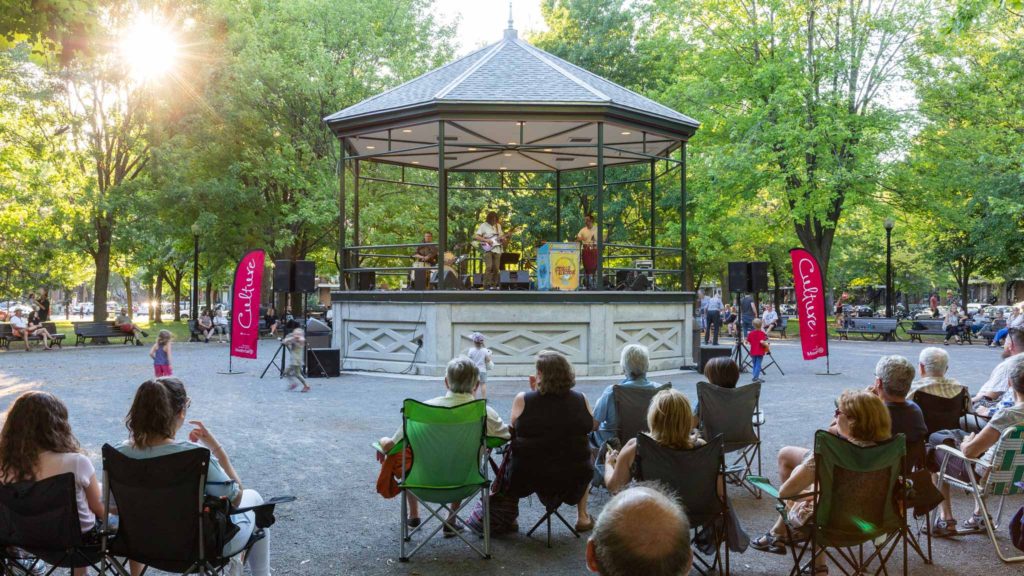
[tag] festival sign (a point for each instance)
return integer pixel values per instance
(558, 266)
(810, 304)
(245, 305)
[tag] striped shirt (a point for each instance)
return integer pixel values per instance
(936, 386)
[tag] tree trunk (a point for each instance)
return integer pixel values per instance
(102, 261)
(777, 294)
(209, 293)
(817, 241)
(158, 294)
(149, 300)
(128, 295)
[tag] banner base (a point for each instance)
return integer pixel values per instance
(231, 371)
(827, 373)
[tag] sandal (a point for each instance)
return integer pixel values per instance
(768, 542)
(976, 523)
(586, 526)
(813, 570)
(941, 528)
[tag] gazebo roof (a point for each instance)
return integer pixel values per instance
(511, 93)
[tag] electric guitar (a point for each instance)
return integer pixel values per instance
(493, 242)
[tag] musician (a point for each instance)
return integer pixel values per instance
(490, 236)
(587, 236)
(425, 256)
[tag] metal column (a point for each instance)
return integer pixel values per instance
(341, 215)
(654, 240)
(442, 197)
(355, 212)
(682, 215)
(600, 205)
(558, 206)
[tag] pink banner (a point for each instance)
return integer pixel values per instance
(245, 305)
(810, 304)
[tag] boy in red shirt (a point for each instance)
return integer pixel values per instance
(757, 340)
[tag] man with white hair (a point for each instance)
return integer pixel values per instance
(641, 531)
(932, 365)
(635, 361)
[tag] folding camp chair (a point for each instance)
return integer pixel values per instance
(161, 517)
(39, 526)
(448, 466)
(943, 413)
(855, 494)
(734, 414)
(631, 403)
(693, 476)
(1007, 468)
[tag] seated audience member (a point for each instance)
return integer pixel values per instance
(270, 319)
(461, 380)
(893, 376)
(722, 371)
(635, 360)
(220, 325)
(1016, 321)
(672, 425)
(550, 452)
(729, 319)
(996, 387)
(769, 319)
(977, 445)
(641, 531)
(932, 365)
(35, 328)
(124, 323)
(37, 443)
(19, 327)
(861, 418)
(204, 325)
(158, 412)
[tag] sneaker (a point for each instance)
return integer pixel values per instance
(452, 533)
(413, 522)
(144, 333)
(976, 523)
(941, 528)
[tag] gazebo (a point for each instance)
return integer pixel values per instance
(509, 107)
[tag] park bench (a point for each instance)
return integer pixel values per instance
(870, 328)
(84, 331)
(920, 328)
(7, 335)
(989, 333)
(780, 328)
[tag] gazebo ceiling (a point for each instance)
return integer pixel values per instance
(510, 106)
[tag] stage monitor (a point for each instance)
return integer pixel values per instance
(323, 362)
(708, 352)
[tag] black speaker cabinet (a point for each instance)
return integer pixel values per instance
(323, 362)
(707, 352)
(515, 280)
(305, 276)
(366, 280)
(283, 276)
(739, 281)
(758, 276)
(419, 278)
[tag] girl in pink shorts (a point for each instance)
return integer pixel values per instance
(161, 354)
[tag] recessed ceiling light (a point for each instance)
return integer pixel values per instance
(407, 130)
(519, 123)
(471, 149)
(415, 162)
(547, 149)
(371, 147)
(626, 133)
(511, 143)
(593, 163)
(507, 154)
(502, 168)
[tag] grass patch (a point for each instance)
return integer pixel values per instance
(179, 329)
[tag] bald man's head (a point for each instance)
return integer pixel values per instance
(641, 531)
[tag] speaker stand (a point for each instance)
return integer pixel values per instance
(273, 362)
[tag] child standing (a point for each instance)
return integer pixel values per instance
(296, 344)
(161, 354)
(482, 358)
(757, 340)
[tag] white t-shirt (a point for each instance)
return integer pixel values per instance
(18, 322)
(999, 380)
(53, 464)
(1004, 418)
(490, 232)
(479, 357)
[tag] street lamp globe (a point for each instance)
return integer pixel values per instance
(196, 229)
(889, 223)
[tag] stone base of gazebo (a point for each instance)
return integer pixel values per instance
(419, 332)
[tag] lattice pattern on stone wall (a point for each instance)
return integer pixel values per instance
(663, 339)
(520, 343)
(382, 340)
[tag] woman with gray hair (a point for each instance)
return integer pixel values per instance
(461, 381)
(635, 361)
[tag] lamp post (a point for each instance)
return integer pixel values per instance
(194, 314)
(889, 224)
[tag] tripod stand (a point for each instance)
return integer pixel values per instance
(273, 362)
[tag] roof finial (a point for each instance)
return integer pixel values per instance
(510, 32)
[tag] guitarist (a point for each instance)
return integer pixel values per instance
(425, 255)
(491, 238)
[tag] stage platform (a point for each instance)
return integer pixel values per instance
(418, 332)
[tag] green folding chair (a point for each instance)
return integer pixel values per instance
(1003, 479)
(856, 491)
(448, 465)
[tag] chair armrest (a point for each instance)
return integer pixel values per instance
(495, 442)
(758, 418)
(764, 484)
(398, 447)
(958, 454)
(265, 512)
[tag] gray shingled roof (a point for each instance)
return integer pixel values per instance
(510, 71)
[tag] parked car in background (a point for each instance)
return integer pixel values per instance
(926, 313)
(864, 311)
(787, 310)
(993, 311)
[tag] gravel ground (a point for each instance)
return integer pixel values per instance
(316, 446)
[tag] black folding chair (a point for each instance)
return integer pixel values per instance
(693, 477)
(631, 403)
(164, 520)
(943, 413)
(734, 413)
(39, 526)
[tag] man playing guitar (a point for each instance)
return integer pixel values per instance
(491, 239)
(425, 255)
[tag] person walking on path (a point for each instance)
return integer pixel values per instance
(482, 358)
(758, 342)
(713, 312)
(161, 354)
(296, 345)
